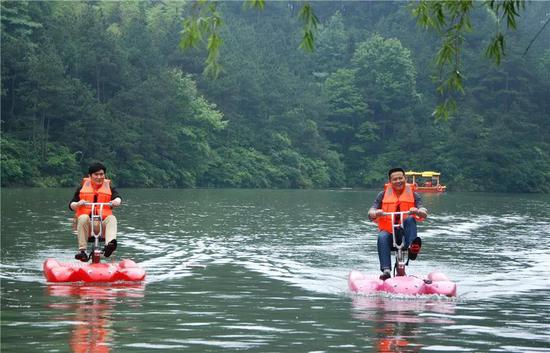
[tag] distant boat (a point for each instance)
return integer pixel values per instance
(426, 181)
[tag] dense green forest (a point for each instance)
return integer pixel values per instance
(102, 80)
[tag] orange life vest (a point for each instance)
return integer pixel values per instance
(88, 193)
(391, 202)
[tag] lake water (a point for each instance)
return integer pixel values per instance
(266, 271)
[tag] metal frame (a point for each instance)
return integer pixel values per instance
(399, 268)
(96, 252)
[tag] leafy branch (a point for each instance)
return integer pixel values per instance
(205, 22)
(451, 20)
(307, 16)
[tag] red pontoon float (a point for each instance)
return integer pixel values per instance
(125, 270)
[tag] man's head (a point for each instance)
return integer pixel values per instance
(97, 171)
(397, 178)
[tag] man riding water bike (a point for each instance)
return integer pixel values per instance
(95, 188)
(397, 196)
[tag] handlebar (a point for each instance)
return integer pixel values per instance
(110, 204)
(396, 213)
(97, 208)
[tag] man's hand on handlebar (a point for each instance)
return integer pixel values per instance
(116, 202)
(75, 205)
(375, 213)
(420, 212)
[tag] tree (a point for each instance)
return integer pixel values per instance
(169, 124)
(17, 28)
(331, 51)
(386, 77)
(347, 109)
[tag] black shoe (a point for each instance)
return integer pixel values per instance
(385, 274)
(109, 248)
(82, 256)
(414, 248)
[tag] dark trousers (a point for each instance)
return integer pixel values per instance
(385, 241)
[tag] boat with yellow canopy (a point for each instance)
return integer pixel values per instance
(427, 181)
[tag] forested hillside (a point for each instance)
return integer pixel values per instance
(84, 81)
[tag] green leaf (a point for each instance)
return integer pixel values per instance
(495, 49)
(257, 4)
(311, 22)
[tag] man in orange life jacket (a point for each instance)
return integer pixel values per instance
(397, 196)
(95, 188)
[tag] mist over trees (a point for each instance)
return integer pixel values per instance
(84, 81)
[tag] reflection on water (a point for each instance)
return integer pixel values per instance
(411, 310)
(90, 307)
(396, 321)
(396, 337)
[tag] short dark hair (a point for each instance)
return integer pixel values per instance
(393, 170)
(95, 167)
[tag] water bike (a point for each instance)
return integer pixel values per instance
(401, 283)
(96, 271)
